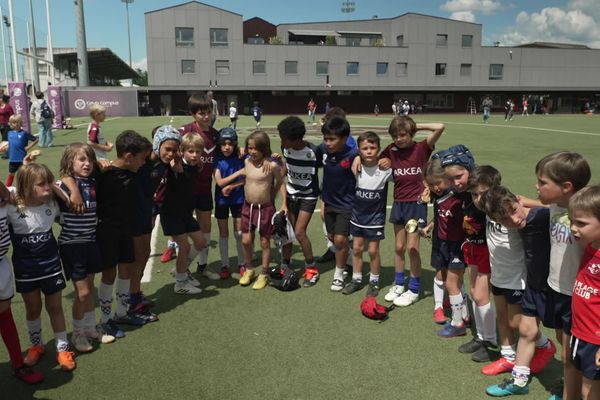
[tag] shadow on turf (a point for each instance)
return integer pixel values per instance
(166, 300)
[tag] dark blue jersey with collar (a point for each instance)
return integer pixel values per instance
(228, 166)
(536, 243)
(339, 182)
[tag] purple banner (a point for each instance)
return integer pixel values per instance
(20, 102)
(117, 102)
(55, 102)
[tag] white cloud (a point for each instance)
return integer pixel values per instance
(466, 16)
(472, 7)
(590, 7)
(141, 64)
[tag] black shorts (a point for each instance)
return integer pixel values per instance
(535, 303)
(51, 285)
(369, 234)
(143, 220)
(115, 246)
(403, 211)
(80, 259)
(583, 355)
(297, 204)
(203, 202)
(175, 225)
(512, 296)
(447, 254)
(559, 306)
(222, 211)
(337, 222)
(14, 166)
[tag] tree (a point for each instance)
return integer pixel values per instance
(142, 79)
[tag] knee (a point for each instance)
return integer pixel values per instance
(400, 249)
(83, 294)
(528, 332)
(300, 234)
(413, 250)
(373, 254)
(340, 242)
(54, 308)
(246, 240)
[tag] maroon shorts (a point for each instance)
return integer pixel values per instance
(478, 255)
(258, 216)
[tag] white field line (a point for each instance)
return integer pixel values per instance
(87, 123)
(147, 277)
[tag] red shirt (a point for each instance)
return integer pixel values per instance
(586, 298)
(202, 185)
(93, 132)
(5, 113)
(448, 214)
(408, 164)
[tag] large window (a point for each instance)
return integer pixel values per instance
(256, 40)
(188, 66)
(440, 100)
(353, 40)
(496, 71)
(184, 37)
(352, 68)
(400, 40)
(465, 69)
(440, 69)
(441, 40)
(259, 67)
(291, 67)
(382, 68)
(322, 67)
(401, 69)
(218, 37)
(467, 40)
(222, 67)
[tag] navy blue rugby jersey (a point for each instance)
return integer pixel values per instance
(370, 197)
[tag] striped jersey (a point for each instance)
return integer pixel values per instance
(302, 178)
(79, 228)
(4, 235)
(370, 198)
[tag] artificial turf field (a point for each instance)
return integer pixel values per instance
(231, 342)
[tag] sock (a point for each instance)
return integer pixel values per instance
(224, 250)
(8, 330)
(34, 328)
(438, 293)
(62, 344)
(105, 301)
(478, 316)
(508, 352)
(465, 306)
(122, 297)
(171, 244)
(339, 273)
(456, 304)
(400, 278)
(203, 258)
(488, 314)
(77, 326)
(414, 284)
(135, 299)
(357, 276)
(89, 321)
(181, 277)
(542, 342)
(9, 180)
(240, 249)
(373, 278)
(520, 374)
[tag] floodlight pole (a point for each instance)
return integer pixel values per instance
(34, 70)
(127, 2)
(3, 50)
(49, 50)
(13, 41)
(82, 59)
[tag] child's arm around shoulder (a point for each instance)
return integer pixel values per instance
(75, 199)
(61, 195)
(436, 128)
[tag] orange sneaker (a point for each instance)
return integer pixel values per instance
(66, 360)
(33, 355)
(438, 316)
(499, 366)
(169, 254)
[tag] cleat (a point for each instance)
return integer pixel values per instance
(373, 290)
(248, 277)
(499, 366)
(193, 281)
(186, 288)
(506, 388)
(261, 282)
(450, 330)
(112, 329)
(28, 375)
(438, 316)
(66, 360)
(471, 346)
(311, 277)
(129, 319)
(81, 343)
(353, 286)
(225, 273)
(406, 299)
(145, 315)
(242, 269)
(542, 357)
(206, 272)
(169, 254)
(394, 292)
(337, 285)
(34, 353)
(486, 353)
(99, 335)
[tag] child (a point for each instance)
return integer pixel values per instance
(233, 115)
(257, 112)
(229, 197)
(35, 258)
(584, 212)
(408, 158)
(18, 146)
(368, 213)
(94, 137)
(258, 210)
(176, 214)
(301, 190)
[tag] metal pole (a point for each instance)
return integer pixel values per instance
(4, 51)
(127, 2)
(82, 59)
(36, 74)
(49, 50)
(13, 41)
(30, 61)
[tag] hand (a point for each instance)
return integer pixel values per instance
(109, 146)
(104, 163)
(384, 164)
(356, 165)
(267, 167)
(276, 156)
(283, 210)
(76, 202)
(226, 190)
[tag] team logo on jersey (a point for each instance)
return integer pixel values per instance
(308, 155)
(594, 268)
(48, 212)
(517, 293)
(456, 260)
(345, 163)
(208, 151)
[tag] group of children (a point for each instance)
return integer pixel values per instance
(522, 252)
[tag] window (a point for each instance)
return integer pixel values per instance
(256, 40)
(218, 37)
(259, 67)
(222, 67)
(465, 69)
(401, 69)
(440, 69)
(441, 40)
(291, 67)
(400, 40)
(184, 37)
(322, 67)
(352, 68)
(353, 40)
(382, 68)
(188, 66)
(496, 71)
(440, 100)
(467, 40)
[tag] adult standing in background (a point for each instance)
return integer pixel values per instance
(312, 108)
(6, 111)
(487, 104)
(39, 114)
(215, 108)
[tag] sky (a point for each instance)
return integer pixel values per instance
(506, 21)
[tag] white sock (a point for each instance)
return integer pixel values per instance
(357, 276)
(373, 278)
(62, 344)
(240, 248)
(456, 303)
(89, 321)
(34, 329)
(181, 277)
(171, 244)
(203, 258)
(122, 295)
(520, 374)
(508, 352)
(488, 314)
(339, 273)
(77, 326)
(438, 293)
(478, 316)
(105, 301)
(224, 250)
(542, 341)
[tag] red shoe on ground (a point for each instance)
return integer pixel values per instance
(225, 273)
(438, 316)
(499, 366)
(169, 254)
(542, 357)
(28, 375)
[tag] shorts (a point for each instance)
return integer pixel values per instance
(143, 223)
(559, 306)
(173, 225)
(369, 234)
(222, 211)
(14, 166)
(156, 209)
(337, 222)
(403, 211)
(79, 260)
(258, 216)
(447, 254)
(6, 280)
(115, 246)
(203, 202)
(50, 285)
(535, 303)
(512, 296)
(297, 204)
(478, 255)
(583, 355)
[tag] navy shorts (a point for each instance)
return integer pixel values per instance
(51, 285)
(559, 306)
(222, 211)
(583, 355)
(115, 246)
(203, 202)
(402, 212)
(173, 225)
(14, 166)
(297, 204)
(512, 296)
(370, 234)
(142, 224)
(337, 222)
(80, 259)
(447, 254)
(535, 304)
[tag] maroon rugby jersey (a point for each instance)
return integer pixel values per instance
(448, 214)
(408, 164)
(203, 180)
(586, 298)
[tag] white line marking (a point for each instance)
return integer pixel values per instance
(147, 277)
(87, 123)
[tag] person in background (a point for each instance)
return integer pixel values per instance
(39, 113)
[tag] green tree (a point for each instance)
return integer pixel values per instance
(142, 79)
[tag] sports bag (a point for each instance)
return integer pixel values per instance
(46, 111)
(372, 310)
(283, 278)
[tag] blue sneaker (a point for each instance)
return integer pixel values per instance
(450, 330)
(506, 388)
(130, 319)
(555, 397)
(112, 329)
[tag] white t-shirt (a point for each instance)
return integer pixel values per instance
(232, 112)
(565, 252)
(507, 257)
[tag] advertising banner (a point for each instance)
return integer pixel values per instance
(20, 102)
(55, 102)
(117, 102)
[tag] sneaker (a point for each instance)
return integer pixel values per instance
(186, 288)
(193, 281)
(353, 286)
(406, 299)
(129, 319)
(28, 375)
(438, 316)
(261, 282)
(206, 272)
(326, 257)
(311, 277)
(486, 353)
(225, 273)
(555, 397)
(242, 269)
(66, 360)
(542, 357)
(34, 353)
(471, 346)
(499, 366)
(450, 330)
(146, 302)
(248, 277)
(112, 329)
(169, 254)
(100, 336)
(506, 388)
(337, 285)
(81, 343)
(373, 290)
(145, 314)
(394, 292)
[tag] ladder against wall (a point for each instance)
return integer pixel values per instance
(471, 106)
